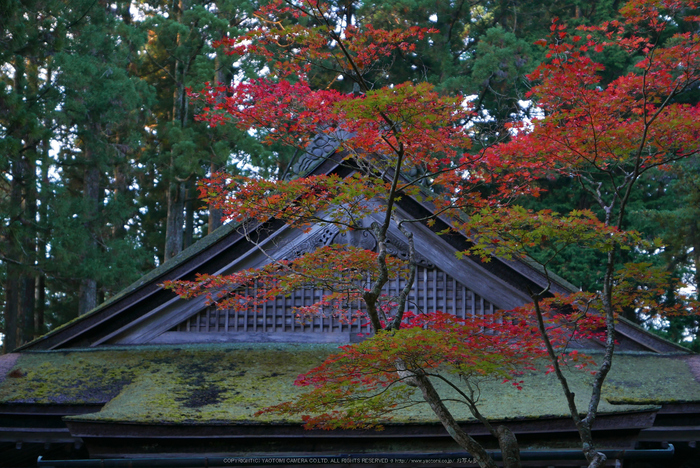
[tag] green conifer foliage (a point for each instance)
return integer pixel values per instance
(180, 55)
(30, 35)
(100, 122)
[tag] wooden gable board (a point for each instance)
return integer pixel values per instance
(160, 320)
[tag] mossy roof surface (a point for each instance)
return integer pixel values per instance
(195, 384)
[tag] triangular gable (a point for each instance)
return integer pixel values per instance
(144, 313)
(465, 291)
(208, 255)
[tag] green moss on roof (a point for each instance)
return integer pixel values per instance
(541, 396)
(189, 383)
(225, 383)
(644, 380)
(66, 378)
(213, 384)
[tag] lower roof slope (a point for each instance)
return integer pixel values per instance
(228, 383)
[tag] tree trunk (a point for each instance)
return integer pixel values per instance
(121, 197)
(29, 211)
(175, 219)
(177, 190)
(509, 447)
(179, 95)
(223, 77)
(87, 296)
(26, 242)
(20, 236)
(28, 281)
(215, 214)
(11, 310)
(696, 263)
(87, 299)
(188, 235)
(39, 305)
(27, 306)
(14, 270)
(215, 221)
(457, 433)
(42, 220)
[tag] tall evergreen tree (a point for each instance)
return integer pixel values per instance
(180, 55)
(30, 36)
(96, 129)
(101, 126)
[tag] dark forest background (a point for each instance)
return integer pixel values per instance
(100, 154)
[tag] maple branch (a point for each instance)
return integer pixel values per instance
(370, 297)
(361, 81)
(645, 132)
(467, 400)
(330, 284)
(403, 295)
(583, 426)
(597, 195)
(299, 7)
(669, 160)
(583, 314)
(507, 441)
(358, 75)
(604, 368)
(447, 170)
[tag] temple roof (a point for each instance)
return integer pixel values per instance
(229, 382)
(83, 383)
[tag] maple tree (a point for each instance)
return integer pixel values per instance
(605, 137)
(408, 140)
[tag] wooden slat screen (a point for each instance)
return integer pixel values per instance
(433, 290)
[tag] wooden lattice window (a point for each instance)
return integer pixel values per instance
(432, 290)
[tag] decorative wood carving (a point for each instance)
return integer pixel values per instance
(398, 248)
(362, 239)
(320, 148)
(320, 239)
